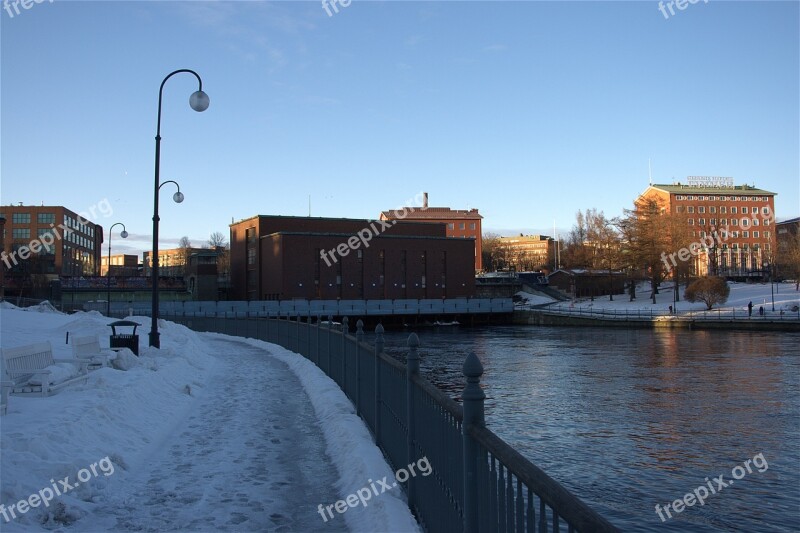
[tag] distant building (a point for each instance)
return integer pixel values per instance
(460, 223)
(49, 240)
(171, 263)
(279, 258)
(733, 225)
(579, 283)
(526, 252)
(121, 265)
(787, 232)
(202, 278)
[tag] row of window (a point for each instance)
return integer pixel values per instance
(736, 246)
(735, 234)
(80, 226)
(724, 210)
(722, 198)
(745, 222)
(461, 225)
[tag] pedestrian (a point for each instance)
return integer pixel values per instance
(670, 309)
(750, 309)
(761, 310)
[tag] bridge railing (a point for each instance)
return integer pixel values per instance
(478, 483)
(728, 313)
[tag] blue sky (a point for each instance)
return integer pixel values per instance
(528, 111)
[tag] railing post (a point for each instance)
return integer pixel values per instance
(319, 325)
(329, 370)
(412, 369)
(472, 398)
(345, 331)
(378, 352)
(359, 340)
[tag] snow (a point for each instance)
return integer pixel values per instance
(786, 299)
(528, 299)
(208, 433)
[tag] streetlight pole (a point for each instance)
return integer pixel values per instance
(124, 235)
(199, 102)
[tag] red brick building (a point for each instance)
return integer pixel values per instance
(460, 223)
(735, 223)
(50, 240)
(277, 257)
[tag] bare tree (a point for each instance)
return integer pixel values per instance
(217, 240)
(709, 290)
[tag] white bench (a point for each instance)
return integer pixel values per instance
(88, 349)
(27, 368)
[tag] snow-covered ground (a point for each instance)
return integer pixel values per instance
(787, 299)
(209, 433)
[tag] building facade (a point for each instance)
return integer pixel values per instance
(459, 223)
(51, 241)
(121, 265)
(788, 233)
(733, 226)
(279, 258)
(172, 263)
(527, 252)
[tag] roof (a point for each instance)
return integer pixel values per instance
(380, 235)
(431, 213)
(795, 220)
(690, 189)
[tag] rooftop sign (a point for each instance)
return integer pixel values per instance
(708, 181)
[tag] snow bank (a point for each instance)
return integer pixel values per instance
(119, 415)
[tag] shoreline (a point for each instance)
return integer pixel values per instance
(539, 317)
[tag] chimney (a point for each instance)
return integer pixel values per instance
(424, 200)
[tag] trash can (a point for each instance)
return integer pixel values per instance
(124, 340)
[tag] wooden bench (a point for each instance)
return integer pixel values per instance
(27, 368)
(88, 349)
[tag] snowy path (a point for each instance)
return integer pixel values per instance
(245, 459)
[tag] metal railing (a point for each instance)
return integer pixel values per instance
(478, 482)
(729, 313)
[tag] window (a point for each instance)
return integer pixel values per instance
(746, 234)
(755, 235)
(21, 233)
(766, 222)
(734, 222)
(733, 211)
(745, 222)
(21, 218)
(701, 209)
(46, 218)
(744, 209)
(690, 209)
(723, 209)
(723, 222)
(680, 209)
(713, 221)
(701, 221)
(713, 209)
(755, 222)
(766, 235)
(471, 225)
(735, 235)
(691, 222)
(451, 225)
(462, 226)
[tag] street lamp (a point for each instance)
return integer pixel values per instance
(199, 102)
(124, 235)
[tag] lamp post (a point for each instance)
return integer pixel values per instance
(124, 235)
(199, 102)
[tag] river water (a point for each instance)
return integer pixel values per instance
(628, 419)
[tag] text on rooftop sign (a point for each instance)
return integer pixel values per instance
(708, 181)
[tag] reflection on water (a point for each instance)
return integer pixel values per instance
(628, 419)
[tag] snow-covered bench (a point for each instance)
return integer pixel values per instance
(88, 349)
(33, 370)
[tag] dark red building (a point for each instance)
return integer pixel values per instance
(280, 258)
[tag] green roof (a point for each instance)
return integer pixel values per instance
(689, 189)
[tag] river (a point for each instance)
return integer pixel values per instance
(628, 419)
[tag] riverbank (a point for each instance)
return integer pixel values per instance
(543, 317)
